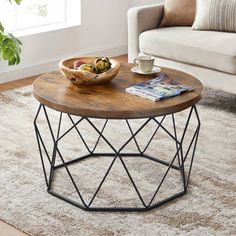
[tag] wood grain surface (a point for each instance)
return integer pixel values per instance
(111, 100)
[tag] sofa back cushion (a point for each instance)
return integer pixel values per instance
(179, 13)
(217, 15)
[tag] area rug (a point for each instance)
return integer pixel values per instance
(207, 209)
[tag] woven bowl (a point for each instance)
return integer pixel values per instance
(87, 78)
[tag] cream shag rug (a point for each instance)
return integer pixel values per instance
(207, 209)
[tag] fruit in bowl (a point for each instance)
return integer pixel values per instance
(89, 70)
(86, 68)
(78, 63)
(100, 65)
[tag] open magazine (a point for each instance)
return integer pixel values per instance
(159, 88)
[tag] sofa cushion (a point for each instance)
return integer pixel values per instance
(216, 15)
(209, 49)
(178, 13)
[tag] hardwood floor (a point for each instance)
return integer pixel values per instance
(17, 83)
(6, 229)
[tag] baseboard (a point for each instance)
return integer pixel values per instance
(43, 67)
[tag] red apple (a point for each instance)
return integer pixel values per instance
(78, 63)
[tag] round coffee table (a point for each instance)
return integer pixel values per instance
(110, 101)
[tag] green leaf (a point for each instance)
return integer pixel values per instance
(10, 46)
(17, 41)
(10, 49)
(6, 41)
(12, 61)
(7, 53)
(1, 38)
(11, 35)
(17, 59)
(18, 2)
(1, 28)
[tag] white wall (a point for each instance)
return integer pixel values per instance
(144, 2)
(103, 32)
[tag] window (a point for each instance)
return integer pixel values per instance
(34, 16)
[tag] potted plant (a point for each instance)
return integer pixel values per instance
(10, 46)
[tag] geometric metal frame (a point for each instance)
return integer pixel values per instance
(117, 154)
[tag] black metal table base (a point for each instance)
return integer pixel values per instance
(179, 156)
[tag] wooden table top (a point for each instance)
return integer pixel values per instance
(111, 100)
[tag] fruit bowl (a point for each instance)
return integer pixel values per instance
(80, 78)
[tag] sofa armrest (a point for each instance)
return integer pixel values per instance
(141, 19)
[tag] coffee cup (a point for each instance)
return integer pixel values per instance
(144, 63)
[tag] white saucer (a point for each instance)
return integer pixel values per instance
(138, 71)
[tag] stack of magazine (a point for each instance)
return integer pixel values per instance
(159, 88)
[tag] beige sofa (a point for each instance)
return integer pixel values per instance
(210, 56)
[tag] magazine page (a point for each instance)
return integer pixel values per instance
(159, 88)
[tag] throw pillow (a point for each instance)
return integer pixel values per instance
(178, 13)
(217, 15)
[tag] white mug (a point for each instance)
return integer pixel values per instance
(145, 63)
